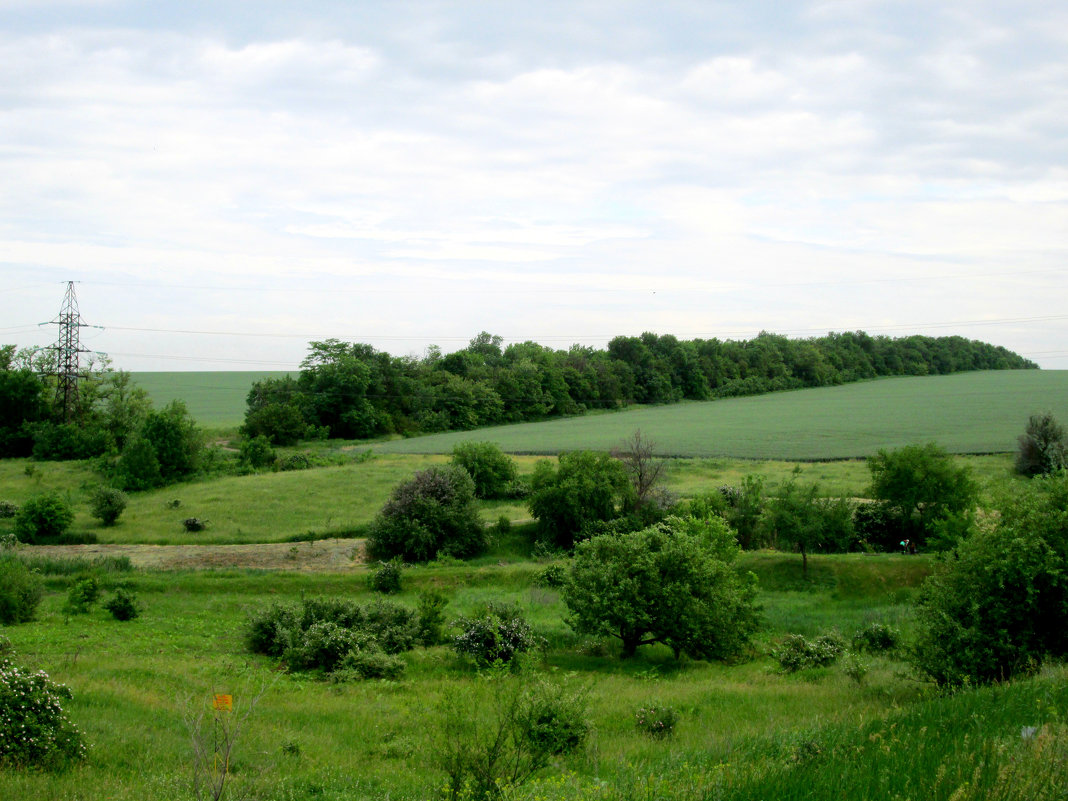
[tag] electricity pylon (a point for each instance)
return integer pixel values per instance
(67, 348)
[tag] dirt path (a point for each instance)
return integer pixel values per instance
(318, 556)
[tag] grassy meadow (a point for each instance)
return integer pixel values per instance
(214, 399)
(745, 730)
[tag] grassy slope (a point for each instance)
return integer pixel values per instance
(965, 413)
(215, 399)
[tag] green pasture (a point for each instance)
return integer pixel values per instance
(745, 730)
(214, 399)
(339, 500)
(981, 412)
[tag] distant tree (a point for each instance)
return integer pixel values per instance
(920, 485)
(584, 488)
(22, 402)
(663, 585)
(800, 517)
(433, 513)
(1043, 447)
(493, 472)
(43, 518)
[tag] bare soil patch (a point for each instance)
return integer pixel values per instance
(314, 556)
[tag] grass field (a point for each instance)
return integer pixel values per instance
(964, 413)
(744, 728)
(215, 399)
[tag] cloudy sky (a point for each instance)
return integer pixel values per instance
(229, 179)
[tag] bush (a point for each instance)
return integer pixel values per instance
(8, 509)
(551, 576)
(493, 473)
(585, 488)
(796, 653)
(875, 638)
(34, 730)
(82, 595)
(295, 461)
(431, 616)
(123, 605)
(257, 452)
(657, 721)
(321, 646)
(371, 663)
(385, 577)
(432, 514)
(106, 504)
(1042, 448)
(43, 518)
(499, 634)
(20, 590)
(193, 524)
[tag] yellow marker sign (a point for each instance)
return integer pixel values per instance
(223, 702)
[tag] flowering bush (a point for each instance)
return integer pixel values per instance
(21, 590)
(796, 653)
(34, 729)
(498, 635)
(656, 721)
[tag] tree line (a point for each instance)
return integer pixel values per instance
(353, 391)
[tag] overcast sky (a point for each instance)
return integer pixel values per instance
(230, 179)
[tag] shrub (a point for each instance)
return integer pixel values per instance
(123, 605)
(855, 667)
(385, 577)
(551, 576)
(876, 637)
(8, 509)
(295, 461)
(43, 518)
(371, 663)
(1042, 448)
(394, 628)
(257, 452)
(657, 720)
(20, 590)
(796, 653)
(431, 616)
(321, 646)
(584, 488)
(34, 729)
(82, 595)
(106, 504)
(433, 513)
(194, 524)
(499, 634)
(493, 473)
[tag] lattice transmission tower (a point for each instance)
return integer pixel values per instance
(67, 348)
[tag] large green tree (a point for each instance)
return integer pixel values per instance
(673, 583)
(584, 488)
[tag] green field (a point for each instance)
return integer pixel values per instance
(214, 399)
(980, 412)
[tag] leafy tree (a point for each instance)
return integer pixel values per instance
(585, 488)
(257, 452)
(123, 406)
(998, 605)
(106, 504)
(21, 402)
(138, 467)
(663, 585)
(1042, 447)
(21, 590)
(920, 485)
(431, 514)
(493, 472)
(798, 516)
(167, 448)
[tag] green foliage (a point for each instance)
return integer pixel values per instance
(43, 518)
(796, 653)
(81, 596)
(194, 524)
(584, 489)
(22, 403)
(493, 472)
(385, 576)
(434, 513)
(430, 615)
(486, 752)
(663, 585)
(745, 510)
(257, 452)
(921, 484)
(657, 720)
(107, 504)
(1042, 448)
(876, 638)
(137, 467)
(20, 590)
(554, 575)
(497, 635)
(35, 732)
(166, 448)
(123, 604)
(798, 516)
(60, 441)
(8, 509)
(369, 663)
(998, 605)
